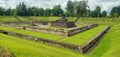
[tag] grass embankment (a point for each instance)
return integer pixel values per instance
(27, 18)
(78, 39)
(36, 34)
(110, 45)
(25, 48)
(82, 38)
(7, 19)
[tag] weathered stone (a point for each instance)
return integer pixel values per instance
(63, 23)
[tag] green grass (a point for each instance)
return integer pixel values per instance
(25, 48)
(36, 34)
(83, 37)
(27, 18)
(7, 19)
(78, 39)
(108, 47)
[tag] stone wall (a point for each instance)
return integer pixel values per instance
(56, 32)
(49, 31)
(61, 32)
(46, 41)
(86, 47)
(83, 49)
(79, 30)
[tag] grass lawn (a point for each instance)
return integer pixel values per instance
(27, 18)
(83, 37)
(7, 19)
(36, 34)
(25, 48)
(110, 45)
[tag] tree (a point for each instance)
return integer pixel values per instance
(116, 14)
(93, 14)
(57, 11)
(47, 12)
(67, 13)
(1, 11)
(97, 11)
(115, 11)
(104, 14)
(21, 9)
(70, 7)
(9, 12)
(41, 11)
(81, 8)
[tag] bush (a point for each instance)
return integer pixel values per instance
(5, 53)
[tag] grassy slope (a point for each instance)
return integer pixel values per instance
(38, 18)
(7, 19)
(36, 34)
(25, 48)
(109, 46)
(81, 38)
(78, 39)
(27, 18)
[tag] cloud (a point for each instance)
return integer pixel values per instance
(108, 0)
(104, 4)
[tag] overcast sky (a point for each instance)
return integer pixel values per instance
(105, 4)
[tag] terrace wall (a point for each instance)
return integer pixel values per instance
(91, 43)
(60, 32)
(49, 31)
(56, 32)
(79, 30)
(43, 40)
(83, 49)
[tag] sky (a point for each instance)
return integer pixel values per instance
(104, 4)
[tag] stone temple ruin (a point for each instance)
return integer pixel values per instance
(60, 27)
(63, 23)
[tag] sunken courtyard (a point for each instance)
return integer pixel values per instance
(60, 27)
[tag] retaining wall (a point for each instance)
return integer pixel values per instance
(51, 42)
(82, 29)
(82, 49)
(60, 32)
(94, 40)
(56, 32)
(49, 31)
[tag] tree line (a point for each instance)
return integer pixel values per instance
(73, 9)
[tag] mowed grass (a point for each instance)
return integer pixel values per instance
(36, 34)
(83, 37)
(7, 19)
(27, 18)
(26, 48)
(110, 45)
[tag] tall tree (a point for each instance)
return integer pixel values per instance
(115, 11)
(1, 11)
(41, 11)
(57, 11)
(47, 12)
(81, 8)
(70, 7)
(21, 9)
(104, 14)
(116, 14)
(98, 10)
(9, 12)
